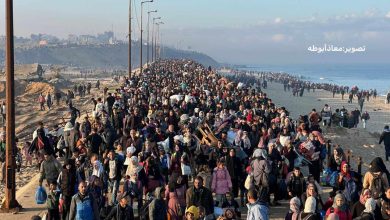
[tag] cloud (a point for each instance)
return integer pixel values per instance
(279, 39)
(278, 20)
(387, 15)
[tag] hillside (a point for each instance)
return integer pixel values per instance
(103, 56)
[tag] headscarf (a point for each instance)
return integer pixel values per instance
(370, 206)
(310, 205)
(97, 169)
(133, 167)
(295, 207)
(343, 207)
(260, 153)
(346, 174)
(364, 196)
(340, 155)
(377, 165)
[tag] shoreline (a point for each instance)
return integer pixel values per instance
(378, 110)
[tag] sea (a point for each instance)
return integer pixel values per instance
(364, 76)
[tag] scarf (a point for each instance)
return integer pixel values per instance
(346, 174)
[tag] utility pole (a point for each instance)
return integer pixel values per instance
(141, 44)
(129, 39)
(153, 36)
(10, 203)
(147, 40)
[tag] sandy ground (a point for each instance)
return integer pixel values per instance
(27, 118)
(358, 140)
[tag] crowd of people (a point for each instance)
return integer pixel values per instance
(182, 142)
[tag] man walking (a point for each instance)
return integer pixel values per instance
(385, 138)
(83, 205)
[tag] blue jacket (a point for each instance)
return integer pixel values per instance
(257, 211)
(83, 208)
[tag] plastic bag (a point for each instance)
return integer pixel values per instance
(40, 195)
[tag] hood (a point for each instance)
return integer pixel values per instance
(377, 165)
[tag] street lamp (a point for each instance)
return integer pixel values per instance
(142, 6)
(147, 46)
(158, 48)
(129, 61)
(153, 45)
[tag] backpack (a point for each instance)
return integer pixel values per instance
(376, 186)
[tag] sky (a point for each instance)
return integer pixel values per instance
(230, 31)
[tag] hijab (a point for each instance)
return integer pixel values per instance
(343, 207)
(295, 207)
(377, 165)
(346, 174)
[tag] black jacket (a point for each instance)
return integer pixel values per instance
(385, 137)
(201, 197)
(119, 213)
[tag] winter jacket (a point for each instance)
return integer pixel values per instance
(385, 138)
(260, 169)
(233, 164)
(221, 183)
(83, 208)
(368, 178)
(50, 169)
(158, 208)
(343, 215)
(310, 216)
(257, 211)
(200, 197)
(383, 204)
(358, 208)
(119, 213)
(206, 179)
(296, 185)
(67, 181)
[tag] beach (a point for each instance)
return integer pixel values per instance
(362, 142)
(358, 142)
